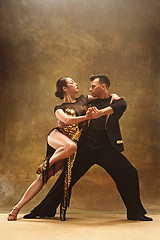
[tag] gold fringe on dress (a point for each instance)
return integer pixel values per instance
(74, 133)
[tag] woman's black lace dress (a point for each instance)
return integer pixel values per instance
(73, 131)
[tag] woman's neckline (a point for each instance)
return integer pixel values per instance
(70, 102)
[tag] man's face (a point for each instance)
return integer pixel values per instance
(95, 88)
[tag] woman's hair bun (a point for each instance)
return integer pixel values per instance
(59, 86)
(59, 94)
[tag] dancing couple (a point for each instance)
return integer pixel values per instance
(88, 134)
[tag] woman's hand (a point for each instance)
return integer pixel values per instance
(114, 96)
(61, 124)
(93, 112)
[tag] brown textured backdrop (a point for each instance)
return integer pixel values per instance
(42, 41)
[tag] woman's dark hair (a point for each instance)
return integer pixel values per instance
(59, 86)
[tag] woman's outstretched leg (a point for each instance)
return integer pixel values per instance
(64, 146)
(32, 190)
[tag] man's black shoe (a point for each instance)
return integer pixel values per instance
(34, 215)
(30, 215)
(143, 218)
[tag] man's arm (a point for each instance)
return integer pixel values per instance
(117, 107)
(93, 112)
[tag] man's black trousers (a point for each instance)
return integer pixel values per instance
(115, 164)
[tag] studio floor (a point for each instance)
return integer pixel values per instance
(80, 225)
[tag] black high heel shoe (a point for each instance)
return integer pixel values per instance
(62, 213)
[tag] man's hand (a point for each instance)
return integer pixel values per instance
(93, 112)
(114, 96)
(61, 124)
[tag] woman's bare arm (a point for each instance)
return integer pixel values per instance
(114, 96)
(90, 98)
(62, 117)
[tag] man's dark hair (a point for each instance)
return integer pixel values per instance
(103, 79)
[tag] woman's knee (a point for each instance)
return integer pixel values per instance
(71, 147)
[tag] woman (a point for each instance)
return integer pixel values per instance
(61, 142)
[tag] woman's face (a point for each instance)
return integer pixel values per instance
(72, 86)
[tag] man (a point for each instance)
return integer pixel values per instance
(101, 143)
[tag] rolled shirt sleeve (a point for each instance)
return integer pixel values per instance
(119, 106)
